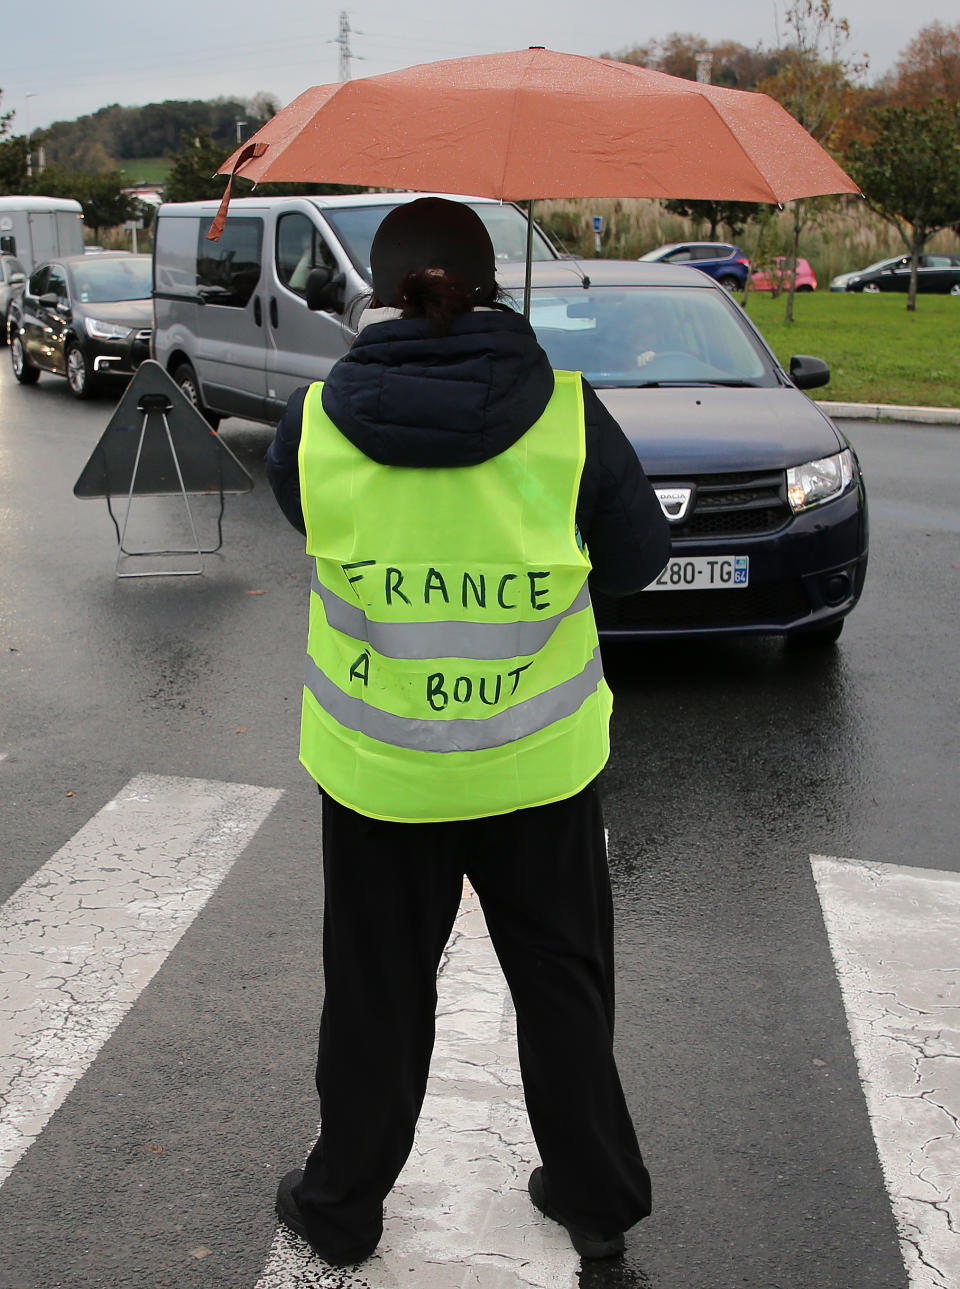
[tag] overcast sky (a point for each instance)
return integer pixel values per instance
(78, 58)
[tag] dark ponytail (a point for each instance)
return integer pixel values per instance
(435, 294)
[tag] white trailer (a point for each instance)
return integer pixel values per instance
(35, 229)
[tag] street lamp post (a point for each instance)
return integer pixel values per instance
(27, 98)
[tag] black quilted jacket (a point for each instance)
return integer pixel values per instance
(406, 396)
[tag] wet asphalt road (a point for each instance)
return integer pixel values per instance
(732, 764)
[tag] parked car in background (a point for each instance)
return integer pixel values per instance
(86, 317)
(720, 260)
(777, 277)
(936, 272)
(13, 275)
(764, 495)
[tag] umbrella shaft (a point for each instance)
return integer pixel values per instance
(529, 263)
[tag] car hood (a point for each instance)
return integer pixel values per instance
(130, 313)
(720, 430)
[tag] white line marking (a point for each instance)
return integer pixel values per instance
(459, 1216)
(894, 934)
(84, 936)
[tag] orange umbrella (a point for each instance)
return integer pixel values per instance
(535, 123)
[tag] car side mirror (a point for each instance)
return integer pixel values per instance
(49, 299)
(17, 279)
(324, 290)
(807, 372)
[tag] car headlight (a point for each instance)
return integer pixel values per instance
(818, 481)
(106, 330)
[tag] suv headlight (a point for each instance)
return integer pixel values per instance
(818, 481)
(106, 330)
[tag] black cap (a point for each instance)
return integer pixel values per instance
(432, 233)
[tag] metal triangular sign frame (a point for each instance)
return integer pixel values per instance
(158, 444)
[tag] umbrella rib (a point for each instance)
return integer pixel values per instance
(513, 121)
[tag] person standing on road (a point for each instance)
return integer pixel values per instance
(455, 493)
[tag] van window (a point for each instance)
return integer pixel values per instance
(300, 248)
(228, 271)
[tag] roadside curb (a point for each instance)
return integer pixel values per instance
(890, 412)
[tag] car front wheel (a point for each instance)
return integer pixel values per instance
(186, 378)
(24, 371)
(955, 289)
(871, 288)
(80, 375)
(731, 283)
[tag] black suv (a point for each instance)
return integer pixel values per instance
(86, 317)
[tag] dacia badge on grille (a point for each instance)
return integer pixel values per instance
(674, 502)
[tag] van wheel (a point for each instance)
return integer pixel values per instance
(186, 378)
(24, 371)
(80, 375)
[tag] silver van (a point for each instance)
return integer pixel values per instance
(232, 321)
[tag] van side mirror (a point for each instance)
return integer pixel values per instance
(809, 373)
(325, 290)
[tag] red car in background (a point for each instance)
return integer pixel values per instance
(778, 276)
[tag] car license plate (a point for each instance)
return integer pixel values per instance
(704, 573)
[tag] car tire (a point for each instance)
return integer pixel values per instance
(24, 370)
(954, 290)
(730, 283)
(812, 638)
(80, 374)
(186, 378)
(870, 288)
(805, 287)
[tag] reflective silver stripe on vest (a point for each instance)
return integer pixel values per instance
(481, 640)
(460, 734)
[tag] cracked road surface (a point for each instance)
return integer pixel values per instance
(894, 933)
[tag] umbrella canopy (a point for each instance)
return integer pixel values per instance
(535, 123)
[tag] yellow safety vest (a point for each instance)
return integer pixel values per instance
(453, 668)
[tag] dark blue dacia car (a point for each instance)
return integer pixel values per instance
(764, 494)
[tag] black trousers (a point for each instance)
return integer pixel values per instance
(391, 896)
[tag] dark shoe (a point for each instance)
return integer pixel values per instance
(587, 1243)
(288, 1211)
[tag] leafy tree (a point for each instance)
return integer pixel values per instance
(910, 174)
(815, 85)
(734, 214)
(13, 165)
(733, 65)
(193, 174)
(5, 119)
(104, 205)
(929, 67)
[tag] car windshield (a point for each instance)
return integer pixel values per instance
(637, 336)
(355, 227)
(103, 281)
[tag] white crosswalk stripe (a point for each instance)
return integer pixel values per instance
(82, 938)
(894, 934)
(459, 1216)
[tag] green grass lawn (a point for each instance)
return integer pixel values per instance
(878, 353)
(151, 170)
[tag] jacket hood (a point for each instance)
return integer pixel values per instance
(407, 396)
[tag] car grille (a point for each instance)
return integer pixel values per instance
(773, 604)
(732, 505)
